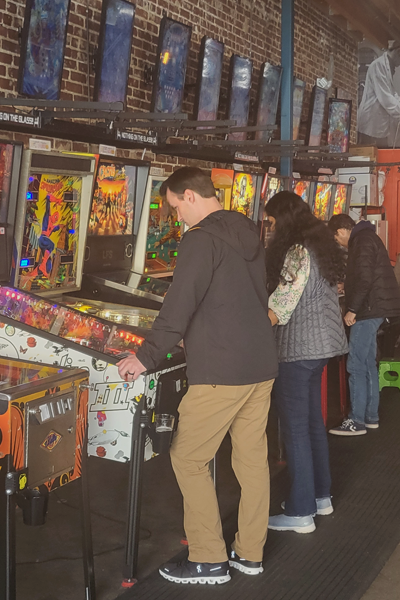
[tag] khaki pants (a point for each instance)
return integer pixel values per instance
(207, 412)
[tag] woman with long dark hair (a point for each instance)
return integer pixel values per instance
(304, 264)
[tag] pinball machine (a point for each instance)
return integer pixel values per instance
(132, 238)
(51, 222)
(43, 427)
(119, 413)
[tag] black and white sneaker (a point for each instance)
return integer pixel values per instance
(186, 571)
(245, 566)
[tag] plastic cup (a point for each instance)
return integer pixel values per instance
(164, 429)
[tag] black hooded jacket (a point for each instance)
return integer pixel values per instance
(371, 288)
(218, 305)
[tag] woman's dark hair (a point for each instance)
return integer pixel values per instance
(295, 224)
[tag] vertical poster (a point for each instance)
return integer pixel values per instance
(243, 193)
(113, 203)
(208, 79)
(298, 96)
(316, 116)
(42, 48)
(239, 93)
(114, 53)
(50, 244)
(268, 97)
(172, 56)
(6, 156)
(339, 120)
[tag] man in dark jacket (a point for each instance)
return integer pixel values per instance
(218, 305)
(371, 293)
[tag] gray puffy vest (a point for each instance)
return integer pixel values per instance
(315, 329)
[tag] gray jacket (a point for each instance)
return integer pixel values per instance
(315, 329)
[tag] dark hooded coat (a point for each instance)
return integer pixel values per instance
(218, 305)
(371, 288)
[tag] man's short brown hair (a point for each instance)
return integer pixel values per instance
(340, 222)
(189, 178)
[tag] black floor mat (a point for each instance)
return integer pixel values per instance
(340, 560)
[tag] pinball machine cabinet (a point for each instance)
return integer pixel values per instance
(43, 427)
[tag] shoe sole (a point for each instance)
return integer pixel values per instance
(201, 580)
(348, 433)
(372, 425)
(246, 570)
(321, 511)
(325, 511)
(307, 529)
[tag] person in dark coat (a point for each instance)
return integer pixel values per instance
(218, 304)
(372, 294)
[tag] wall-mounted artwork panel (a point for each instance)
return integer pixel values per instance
(239, 93)
(170, 72)
(208, 79)
(42, 48)
(268, 97)
(114, 53)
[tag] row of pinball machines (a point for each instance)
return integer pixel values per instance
(78, 218)
(68, 220)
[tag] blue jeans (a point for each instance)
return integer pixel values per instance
(363, 372)
(298, 398)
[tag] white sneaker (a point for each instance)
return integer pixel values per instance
(324, 506)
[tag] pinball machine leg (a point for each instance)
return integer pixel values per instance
(87, 544)
(135, 495)
(7, 537)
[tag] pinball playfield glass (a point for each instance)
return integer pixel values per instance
(243, 194)
(322, 201)
(67, 323)
(117, 313)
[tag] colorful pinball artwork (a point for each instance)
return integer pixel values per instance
(302, 189)
(113, 200)
(339, 120)
(322, 201)
(172, 56)
(51, 232)
(243, 194)
(42, 48)
(275, 185)
(163, 235)
(340, 203)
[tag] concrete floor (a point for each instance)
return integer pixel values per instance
(49, 556)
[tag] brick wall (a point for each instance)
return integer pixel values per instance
(247, 27)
